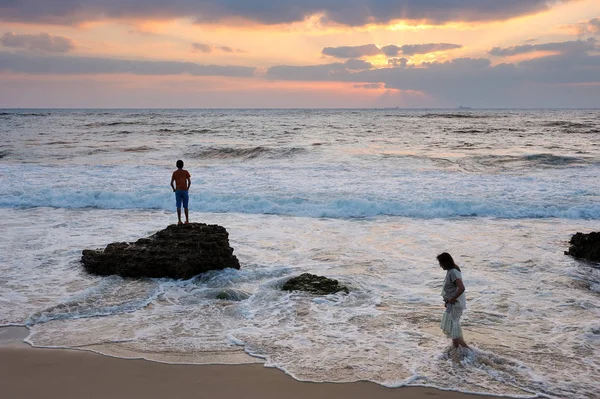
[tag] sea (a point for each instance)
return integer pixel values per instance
(369, 197)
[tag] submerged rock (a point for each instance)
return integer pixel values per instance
(314, 284)
(231, 294)
(585, 246)
(176, 252)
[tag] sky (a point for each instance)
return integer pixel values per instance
(299, 54)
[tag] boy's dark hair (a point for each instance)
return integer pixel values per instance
(446, 261)
(179, 163)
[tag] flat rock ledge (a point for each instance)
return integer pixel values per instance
(314, 284)
(178, 252)
(585, 246)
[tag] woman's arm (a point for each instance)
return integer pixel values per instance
(460, 289)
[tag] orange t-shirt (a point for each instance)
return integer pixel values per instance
(180, 176)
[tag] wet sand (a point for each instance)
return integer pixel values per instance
(28, 372)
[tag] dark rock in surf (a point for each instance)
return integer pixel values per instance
(177, 252)
(585, 246)
(232, 294)
(318, 285)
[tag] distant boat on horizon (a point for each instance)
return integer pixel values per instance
(461, 107)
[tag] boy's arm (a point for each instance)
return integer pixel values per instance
(172, 180)
(189, 182)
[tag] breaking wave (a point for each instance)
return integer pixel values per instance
(245, 153)
(526, 162)
(314, 206)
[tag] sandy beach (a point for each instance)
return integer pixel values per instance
(58, 373)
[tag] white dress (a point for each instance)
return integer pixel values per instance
(451, 317)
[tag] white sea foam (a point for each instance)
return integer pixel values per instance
(386, 330)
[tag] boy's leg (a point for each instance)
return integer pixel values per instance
(185, 197)
(178, 200)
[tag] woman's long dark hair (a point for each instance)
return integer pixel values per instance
(447, 262)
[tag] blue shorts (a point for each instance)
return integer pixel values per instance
(182, 195)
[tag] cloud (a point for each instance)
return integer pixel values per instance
(209, 48)
(391, 50)
(591, 27)
(412, 49)
(40, 42)
(204, 48)
(352, 13)
(64, 65)
(398, 62)
(352, 51)
(370, 86)
(355, 64)
(594, 25)
(474, 81)
(337, 71)
(570, 47)
(333, 72)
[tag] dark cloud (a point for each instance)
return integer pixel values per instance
(391, 50)
(209, 48)
(570, 47)
(474, 81)
(398, 62)
(352, 51)
(459, 64)
(334, 72)
(353, 13)
(355, 64)
(63, 65)
(39, 42)
(412, 49)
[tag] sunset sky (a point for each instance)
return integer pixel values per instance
(285, 53)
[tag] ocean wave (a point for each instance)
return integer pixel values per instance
(528, 161)
(245, 153)
(24, 114)
(317, 207)
(143, 148)
(456, 115)
(4, 154)
(567, 124)
(112, 295)
(118, 123)
(496, 163)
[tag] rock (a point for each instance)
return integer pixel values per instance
(585, 246)
(177, 252)
(231, 294)
(314, 284)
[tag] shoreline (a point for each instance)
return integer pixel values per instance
(30, 372)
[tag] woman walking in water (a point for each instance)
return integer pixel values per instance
(453, 293)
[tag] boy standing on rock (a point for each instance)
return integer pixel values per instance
(182, 180)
